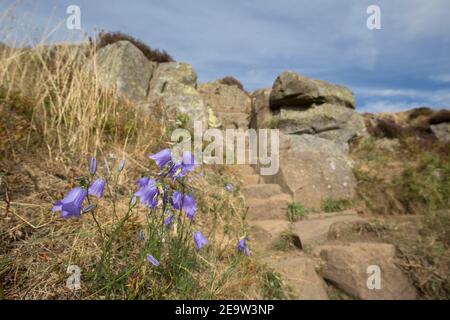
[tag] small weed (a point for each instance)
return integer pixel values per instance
(273, 286)
(332, 205)
(296, 211)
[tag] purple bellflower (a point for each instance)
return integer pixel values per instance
(243, 247)
(229, 187)
(169, 220)
(149, 194)
(97, 188)
(93, 166)
(72, 204)
(181, 169)
(162, 158)
(152, 260)
(200, 240)
(186, 202)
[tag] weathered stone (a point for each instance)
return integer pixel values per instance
(265, 233)
(332, 122)
(299, 274)
(230, 104)
(313, 169)
(274, 207)
(174, 86)
(225, 98)
(315, 229)
(346, 267)
(441, 131)
(261, 116)
(123, 67)
(260, 191)
(292, 89)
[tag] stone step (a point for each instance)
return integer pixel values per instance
(245, 169)
(260, 191)
(274, 207)
(251, 179)
(315, 229)
(299, 272)
(264, 233)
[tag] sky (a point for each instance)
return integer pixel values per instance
(404, 64)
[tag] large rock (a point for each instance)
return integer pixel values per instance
(441, 131)
(300, 275)
(313, 169)
(292, 89)
(123, 67)
(261, 116)
(174, 86)
(231, 104)
(346, 266)
(299, 105)
(332, 122)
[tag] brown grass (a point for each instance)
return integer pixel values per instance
(156, 55)
(231, 81)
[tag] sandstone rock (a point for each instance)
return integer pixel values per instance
(300, 275)
(341, 229)
(292, 89)
(225, 98)
(123, 67)
(231, 104)
(260, 191)
(264, 233)
(174, 86)
(274, 207)
(233, 120)
(441, 131)
(313, 169)
(332, 122)
(315, 229)
(261, 116)
(346, 267)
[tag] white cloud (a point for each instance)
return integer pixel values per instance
(443, 78)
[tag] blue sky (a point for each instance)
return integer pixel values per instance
(405, 64)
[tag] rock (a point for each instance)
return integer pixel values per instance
(300, 275)
(441, 131)
(332, 122)
(251, 179)
(231, 104)
(225, 98)
(260, 191)
(265, 233)
(274, 207)
(292, 89)
(346, 267)
(233, 120)
(123, 67)
(313, 169)
(261, 116)
(316, 228)
(342, 229)
(174, 86)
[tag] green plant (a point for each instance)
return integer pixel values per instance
(335, 205)
(296, 211)
(273, 286)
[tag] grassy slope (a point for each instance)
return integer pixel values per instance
(53, 118)
(405, 184)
